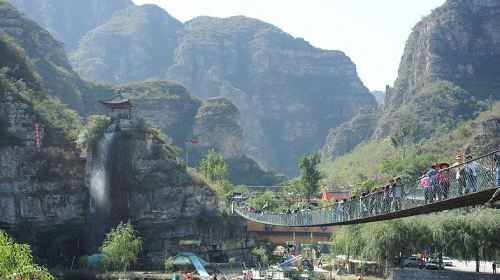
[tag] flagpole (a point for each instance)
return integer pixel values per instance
(187, 153)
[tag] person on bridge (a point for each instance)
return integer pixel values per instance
(494, 267)
(471, 167)
(424, 180)
(496, 161)
(444, 176)
(460, 174)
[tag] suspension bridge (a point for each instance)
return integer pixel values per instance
(453, 187)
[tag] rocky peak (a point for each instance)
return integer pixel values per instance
(138, 43)
(288, 93)
(47, 54)
(458, 42)
(70, 20)
(216, 127)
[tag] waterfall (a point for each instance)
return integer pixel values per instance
(100, 173)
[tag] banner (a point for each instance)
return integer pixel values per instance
(38, 137)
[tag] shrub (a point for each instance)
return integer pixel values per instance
(17, 259)
(121, 247)
(95, 128)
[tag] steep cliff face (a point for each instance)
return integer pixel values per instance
(57, 76)
(449, 68)
(216, 127)
(458, 42)
(289, 93)
(135, 44)
(148, 185)
(42, 193)
(41, 188)
(70, 20)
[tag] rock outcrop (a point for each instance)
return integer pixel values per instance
(136, 44)
(70, 20)
(58, 78)
(344, 138)
(149, 186)
(288, 92)
(41, 193)
(216, 126)
(449, 68)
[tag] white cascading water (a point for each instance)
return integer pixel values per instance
(99, 176)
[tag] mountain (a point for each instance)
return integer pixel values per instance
(68, 21)
(448, 74)
(289, 93)
(57, 76)
(136, 44)
(46, 196)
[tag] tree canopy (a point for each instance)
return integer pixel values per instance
(449, 233)
(121, 247)
(16, 259)
(310, 175)
(213, 166)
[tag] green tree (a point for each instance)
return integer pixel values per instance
(267, 198)
(17, 259)
(213, 166)
(310, 175)
(121, 247)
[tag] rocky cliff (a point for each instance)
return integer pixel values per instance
(288, 92)
(136, 44)
(70, 20)
(147, 185)
(58, 78)
(216, 126)
(448, 73)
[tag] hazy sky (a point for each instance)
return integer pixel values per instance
(371, 32)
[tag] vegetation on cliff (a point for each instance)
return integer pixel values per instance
(57, 76)
(18, 75)
(379, 161)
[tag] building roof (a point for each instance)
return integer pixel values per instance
(117, 102)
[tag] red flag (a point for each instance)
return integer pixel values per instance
(326, 194)
(193, 141)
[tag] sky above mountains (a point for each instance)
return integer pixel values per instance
(372, 33)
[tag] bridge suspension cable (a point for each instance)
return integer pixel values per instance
(466, 184)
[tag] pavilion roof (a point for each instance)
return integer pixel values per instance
(117, 102)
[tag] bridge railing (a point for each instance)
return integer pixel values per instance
(472, 176)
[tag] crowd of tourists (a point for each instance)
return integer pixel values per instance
(439, 182)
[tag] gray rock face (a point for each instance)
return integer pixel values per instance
(451, 61)
(216, 127)
(147, 185)
(289, 93)
(70, 20)
(44, 188)
(489, 138)
(134, 45)
(458, 42)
